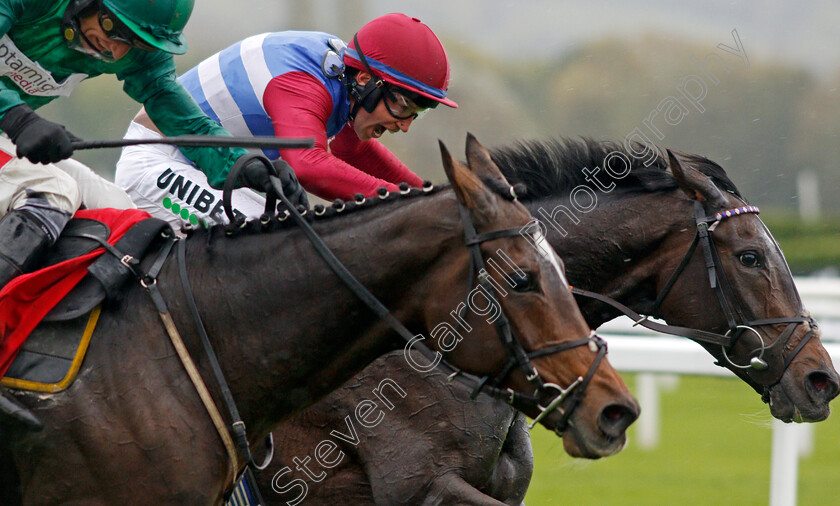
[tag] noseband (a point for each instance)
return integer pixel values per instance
(565, 400)
(739, 326)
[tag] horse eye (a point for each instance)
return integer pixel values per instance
(526, 283)
(749, 259)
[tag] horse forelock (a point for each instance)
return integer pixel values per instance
(555, 167)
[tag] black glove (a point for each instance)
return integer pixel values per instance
(291, 186)
(37, 139)
(257, 176)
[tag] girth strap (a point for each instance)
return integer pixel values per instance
(149, 281)
(237, 425)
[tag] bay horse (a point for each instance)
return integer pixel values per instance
(627, 246)
(131, 429)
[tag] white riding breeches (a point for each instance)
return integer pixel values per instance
(65, 185)
(163, 182)
(96, 191)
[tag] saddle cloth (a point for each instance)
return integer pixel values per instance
(52, 355)
(29, 298)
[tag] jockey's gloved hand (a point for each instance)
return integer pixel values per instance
(290, 184)
(257, 176)
(37, 139)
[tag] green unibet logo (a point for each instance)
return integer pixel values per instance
(181, 212)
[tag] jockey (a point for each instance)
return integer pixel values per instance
(47, 47)
(299, 84)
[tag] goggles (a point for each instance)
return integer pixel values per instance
(117, 30)
(400, 103)
(110, 24)
(401, 106)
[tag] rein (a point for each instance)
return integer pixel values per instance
(518, 355)
(564, 400)
(738, 323)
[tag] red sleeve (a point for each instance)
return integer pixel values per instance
(373, 157)
(299, 106)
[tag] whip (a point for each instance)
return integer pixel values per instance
(263, 142)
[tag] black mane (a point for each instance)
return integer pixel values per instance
(339, 208)
(318, 213)
(553, 167)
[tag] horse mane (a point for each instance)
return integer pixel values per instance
(545, 168)
(319, 213)
(553, 167)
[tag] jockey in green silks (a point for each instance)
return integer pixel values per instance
(47, 47)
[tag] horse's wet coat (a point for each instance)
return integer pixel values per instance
(132, 426)
(616, 249)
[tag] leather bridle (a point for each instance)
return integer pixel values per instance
(739, 325)
(564, 400)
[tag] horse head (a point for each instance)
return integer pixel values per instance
(676, 240)
(750, 297)
(544, 359)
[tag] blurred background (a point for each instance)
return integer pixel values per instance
(602, 68)
(541, 68)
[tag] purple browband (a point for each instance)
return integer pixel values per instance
(735, 212)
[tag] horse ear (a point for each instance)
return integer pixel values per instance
(464, 182)
(694, 183)
(480, 162)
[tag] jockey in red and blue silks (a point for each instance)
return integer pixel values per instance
(299, 84)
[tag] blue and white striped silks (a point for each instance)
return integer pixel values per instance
(229, 86)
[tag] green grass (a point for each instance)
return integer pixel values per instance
(808, 246)
(715, 443)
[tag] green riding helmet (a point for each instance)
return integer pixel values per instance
(159, 23)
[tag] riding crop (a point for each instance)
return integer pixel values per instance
(262, 142)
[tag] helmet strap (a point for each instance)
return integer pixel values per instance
(369, 94)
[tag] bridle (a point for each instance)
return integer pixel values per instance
(739, 325)
(564, 400)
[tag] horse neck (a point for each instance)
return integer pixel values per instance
(613, 248)
(285, 328)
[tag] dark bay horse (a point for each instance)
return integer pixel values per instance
(627, 246)
(132, 430)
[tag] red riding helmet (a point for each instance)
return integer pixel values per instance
(404, 52)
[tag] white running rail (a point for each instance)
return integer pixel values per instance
(657, 357)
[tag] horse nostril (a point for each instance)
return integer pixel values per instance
(820, 381)
(826, 385)
(615, 419)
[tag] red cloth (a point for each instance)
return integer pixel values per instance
(5, 158)
(299, 106)
(28, 298)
